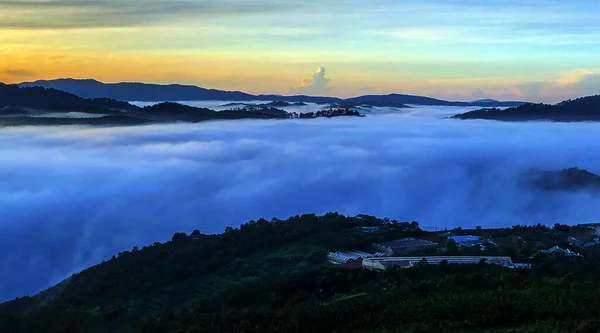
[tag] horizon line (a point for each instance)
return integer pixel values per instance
(258, 95)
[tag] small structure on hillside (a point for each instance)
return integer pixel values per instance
(346, 257)
(557, 251)
(584, 241)
(467, 240)
(521, 262)
(380, 264)
(371, 229)
(404, 246)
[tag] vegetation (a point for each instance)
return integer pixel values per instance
(581, 109)
(328, 113)
(31, 106)
(567, 179)
(272, 276)
(56, 101)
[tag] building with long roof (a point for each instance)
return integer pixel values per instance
(384, 263)
(404, 246)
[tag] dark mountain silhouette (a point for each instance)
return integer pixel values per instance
(497, 103)
(581, 109)
(571, 179)
(14, 97)
(485, 100)
(399, 99)
(134, 91)
(168, 111)
(41, 106)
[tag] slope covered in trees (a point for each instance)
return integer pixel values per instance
(41, 106)
(581, 109)
(271, 276)
(57, 101)
(564, 180)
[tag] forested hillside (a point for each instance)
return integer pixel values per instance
(273, 276)
(580, 109)
(30, 106)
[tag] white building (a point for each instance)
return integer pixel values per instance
(381, 264)
(344, 257)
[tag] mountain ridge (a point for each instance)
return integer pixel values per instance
(581, 109)
(138, 91)
(265, 276)
(31, 106)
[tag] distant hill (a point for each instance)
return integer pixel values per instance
(12, 96)
(48, 107)
(398, 99)
(581, 109)
(274, 276)
(572, 179)
(132, 91)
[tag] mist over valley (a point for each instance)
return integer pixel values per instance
(73, 196)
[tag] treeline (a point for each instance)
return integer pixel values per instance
(477, 298)
(138, 283)
(56, 100)
(581, 109)
(272, 276)
(330, 113)
(553, 297)
(25, 105)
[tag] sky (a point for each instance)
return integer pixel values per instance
(539, 50)
(71, 196)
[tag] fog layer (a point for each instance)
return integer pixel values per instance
(72, 196)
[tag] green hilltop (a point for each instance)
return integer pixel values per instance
(274, 276)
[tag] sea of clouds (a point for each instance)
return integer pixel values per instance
(73, 196)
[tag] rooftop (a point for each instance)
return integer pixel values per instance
(344, 257)
(465, 239)
(383, 263)
(558, 249)
(406, 243)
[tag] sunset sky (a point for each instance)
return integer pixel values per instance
(538, 50)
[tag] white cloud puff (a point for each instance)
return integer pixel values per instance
(318, 85)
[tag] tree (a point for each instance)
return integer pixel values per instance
(196, 234)
(561, 227)
(414, 225)
(452, 246)
(179, 236)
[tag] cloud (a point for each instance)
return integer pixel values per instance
(479, 94)
(67, 14)
(16, 72)
(71, 197)
(588, 85)
(318, 85)
(573, 77)
(581, 82)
